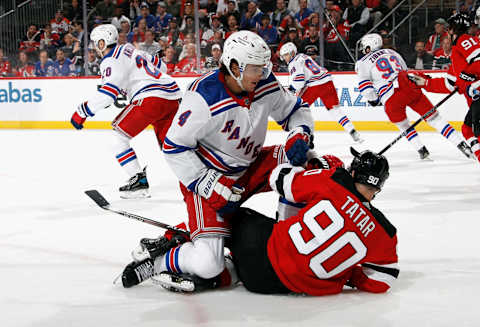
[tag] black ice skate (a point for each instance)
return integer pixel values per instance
(137, 272)
(356, 136)
(466, 150)
(154, 247)
(136, 188)
(423, 152)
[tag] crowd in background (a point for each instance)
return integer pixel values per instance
(167, 29)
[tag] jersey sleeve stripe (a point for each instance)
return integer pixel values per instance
(293, 204)
(170, 147)
(381, 273)
(169, 88)
(113, 86)
(86, 110)
(280, 180)
(112, 95)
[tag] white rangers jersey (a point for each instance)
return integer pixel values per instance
(305, 72)
(377, 73)
(215, 129)
(134, 73)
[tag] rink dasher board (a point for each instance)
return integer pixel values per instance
(48, 103)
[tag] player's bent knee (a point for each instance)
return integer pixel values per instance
(209, 261)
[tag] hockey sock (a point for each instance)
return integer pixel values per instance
(340, 116)
(445, 129)
(412, 135)
(126, 156)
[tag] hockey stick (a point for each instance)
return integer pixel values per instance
(104, 204)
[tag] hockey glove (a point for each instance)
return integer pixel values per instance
(375, 103)
(296, 146)
(77, 121)
(419, 79)
(327, 161)
(473, 90)
(219, 191)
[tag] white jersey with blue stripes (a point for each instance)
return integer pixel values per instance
(377, 72)
(214, 129)
(134, 73)
(305, 72)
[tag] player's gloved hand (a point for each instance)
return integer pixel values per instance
(296, 146)
(473, 90)
(375, 103)
(419, 79)
(328, 161)
(221, 193)
(77, 120)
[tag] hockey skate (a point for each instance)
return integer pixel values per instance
(356, 136)
(136, 188)
(151, 248)
(466, 150)
(137, 272)
(423, 152)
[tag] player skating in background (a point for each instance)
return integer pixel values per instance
(310, 82)
(383, 80)
(215, 141)
(464, 72)
(153, 97)
(337, 239)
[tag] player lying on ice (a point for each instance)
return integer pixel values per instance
(335, 237)
(216, 141)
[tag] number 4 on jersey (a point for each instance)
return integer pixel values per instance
(183, 117)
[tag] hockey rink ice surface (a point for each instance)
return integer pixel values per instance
(59, 252)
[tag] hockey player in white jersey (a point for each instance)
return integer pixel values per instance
(215, 147)
(383, 79)
(153, 97)
(311, 81)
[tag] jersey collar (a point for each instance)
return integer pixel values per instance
(244, 99)
(110, 53)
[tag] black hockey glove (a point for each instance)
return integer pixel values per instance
(375, 103)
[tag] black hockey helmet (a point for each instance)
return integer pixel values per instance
(459, 23)
(369, 168)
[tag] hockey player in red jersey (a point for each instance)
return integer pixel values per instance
(464, 73)
(153, 97)
(337, 239)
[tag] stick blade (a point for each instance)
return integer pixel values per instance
(97, 198)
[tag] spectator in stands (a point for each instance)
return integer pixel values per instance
(93, 64)
(162, 18)
(375, 12)
(210, 7)
(397, 16)
(122, 38)
(251, 17)
(231, 9)
(267, 31)
(334, 49)
(189, 63)
(357, 16)
(5, 66)
(312, 20)
(280, 12)
(189, 26)
(145, 14)
(232, 26)
(287, 23)
(304, 11)
(173, 8)
(435, 40)
(134, 10)
(188, 39)
(49, 40)
(169, 59)
(173, 34)
(441, 56)
(467, 6)
(78, 32)
(73, 11)
(187, 12)
(218, 38)
(119, 17)
(31, 41)
(60, 24)
(312, 41)
(105, 9)
(213, 61)
(215, 25)
(420, 59)
(152, 5)
(138, 33)
(149, 45)
(291, 36)
(125, 26)
(24, 68)
(44, 67)
(267, 6)
(63, 66)
(71, 49)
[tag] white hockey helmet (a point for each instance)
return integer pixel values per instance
(288, 48)
(106, 32)
(245, 48)
(373, 41)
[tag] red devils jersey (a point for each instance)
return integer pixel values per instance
(466, 59)
(337, 239)
(445, 84)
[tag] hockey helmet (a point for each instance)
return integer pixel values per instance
(459, 23)
(373, 41)
(288, 48)
(106, 32)
(369, 168)
(245, 47)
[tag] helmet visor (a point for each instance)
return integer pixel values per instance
(255, 71)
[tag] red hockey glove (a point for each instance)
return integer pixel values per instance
(420, 79)
(296, 146)
(77, 121)
(327, 161)
(221, 194)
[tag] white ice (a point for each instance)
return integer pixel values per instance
(59, 252)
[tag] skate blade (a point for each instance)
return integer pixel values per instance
(166, 281)
(140, 194)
